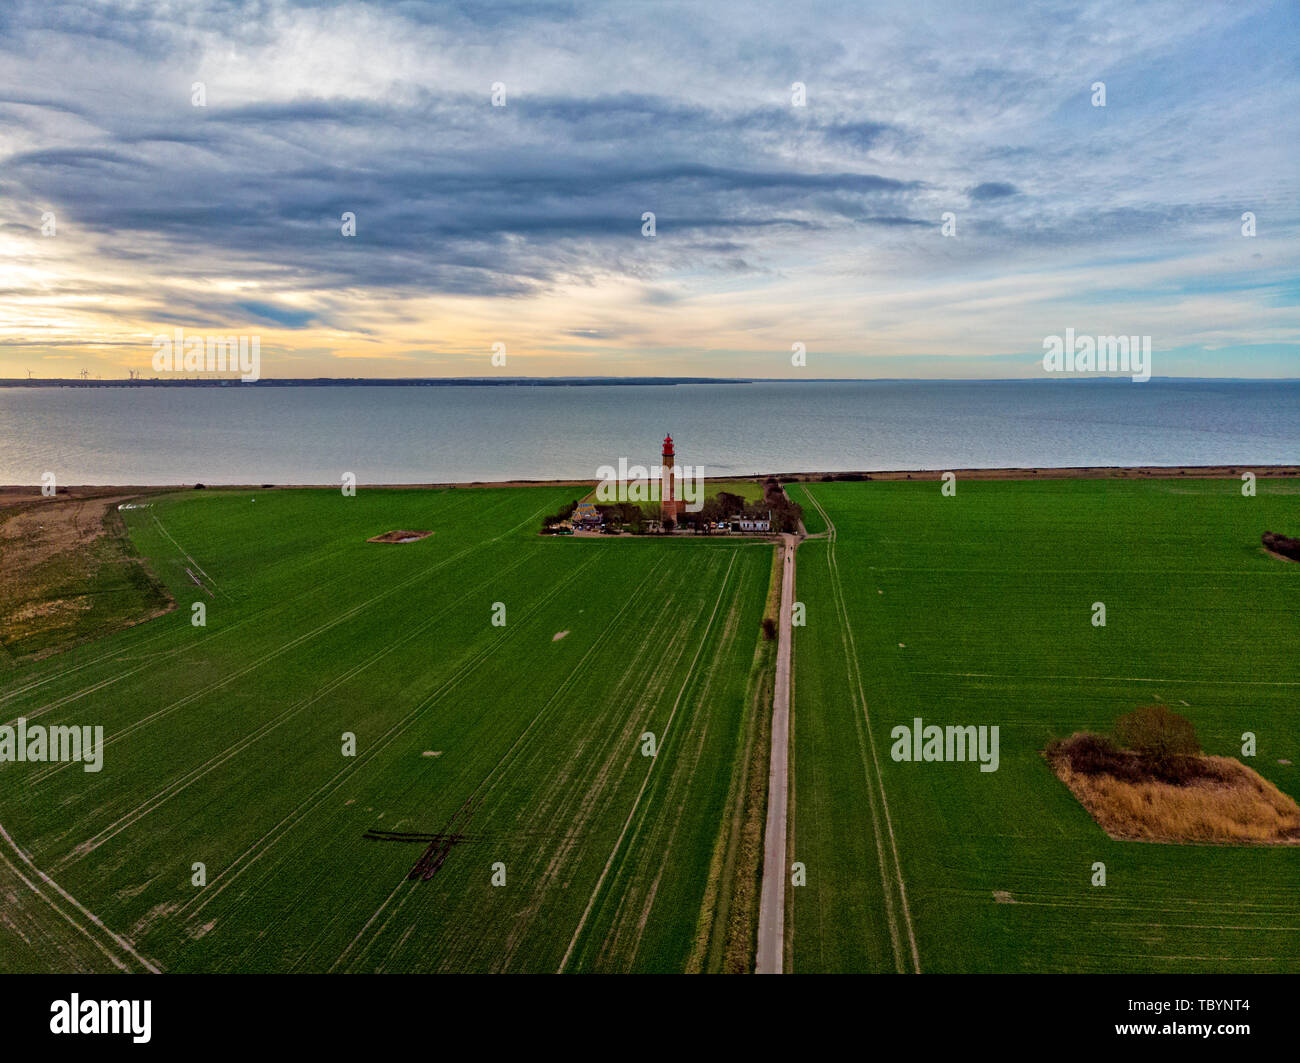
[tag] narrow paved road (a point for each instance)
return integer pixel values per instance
(771, 908)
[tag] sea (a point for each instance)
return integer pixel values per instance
(449, 434)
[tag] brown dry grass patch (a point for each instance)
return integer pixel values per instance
(1226, 804)
(68, 572)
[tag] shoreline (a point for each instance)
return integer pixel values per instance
(1081, 472)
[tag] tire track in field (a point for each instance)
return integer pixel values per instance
(154, 660)
(187, 556)
(690, 673)
(877, 832)
(350, 614)
(666, 621)
(666, 832)
(64, 673)
(178, 786)
(876, 781)
(574, 826)
(36, 891)
(279, 606)
(1183, 681)
(259, 848)
(460, 818)
(90, 916)
(628, 918)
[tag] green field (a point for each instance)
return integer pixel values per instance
(487, 745)
(479, 746)
(749, 490)
(977, 609)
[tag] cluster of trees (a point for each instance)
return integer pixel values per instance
(725, 506)
(720, 508)
(564, 514)
(1281, 544)
(620, 515)
(1150, 742)
(786, 515)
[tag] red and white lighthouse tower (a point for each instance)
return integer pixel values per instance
(669, 504)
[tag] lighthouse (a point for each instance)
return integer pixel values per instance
(670, 505)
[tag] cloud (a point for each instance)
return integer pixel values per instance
(992, 190)
(481, 218)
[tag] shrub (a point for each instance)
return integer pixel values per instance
(769, 628)
(1164, 740)
(1094, 754)
(1155, 732)
(1281, 544)
(1088, 754)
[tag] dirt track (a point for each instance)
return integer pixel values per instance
(771, 912)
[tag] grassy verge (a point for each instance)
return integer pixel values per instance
(726, 940)
(69, 573)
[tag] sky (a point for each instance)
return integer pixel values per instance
(782, 216)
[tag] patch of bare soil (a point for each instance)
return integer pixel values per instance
(37, 532)
(437, 848)
(53, 608)
(558, 635)
(400, 537)
(1222, 802)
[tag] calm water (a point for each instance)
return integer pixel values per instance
(442, 434)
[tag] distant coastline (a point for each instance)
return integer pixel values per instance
(378, 382)
(577, 381)
(10, 493)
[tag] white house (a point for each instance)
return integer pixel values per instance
(755, 524)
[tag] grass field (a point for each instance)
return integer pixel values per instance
(475, 745)
(977, 609)
(749, 490)
(484, 749)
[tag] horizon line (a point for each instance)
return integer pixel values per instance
(628, 379)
